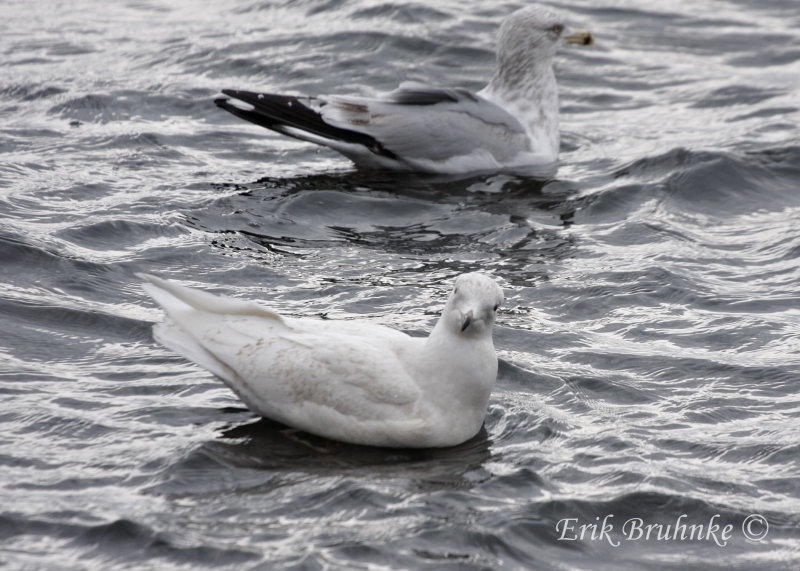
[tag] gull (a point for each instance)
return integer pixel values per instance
(348, 380)
(512, 123)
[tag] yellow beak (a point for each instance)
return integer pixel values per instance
(581, 37)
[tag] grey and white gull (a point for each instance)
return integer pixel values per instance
(510, 124)
(349, 380)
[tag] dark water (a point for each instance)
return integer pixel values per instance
(650, 343)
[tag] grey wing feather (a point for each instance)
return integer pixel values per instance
(418, 121)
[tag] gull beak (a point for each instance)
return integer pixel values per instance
(467, 320)
(581, 37)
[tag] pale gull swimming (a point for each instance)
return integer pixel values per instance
(353, 381)
(512, 123)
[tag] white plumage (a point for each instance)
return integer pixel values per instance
(353, 381)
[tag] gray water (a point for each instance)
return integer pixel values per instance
(649, 345)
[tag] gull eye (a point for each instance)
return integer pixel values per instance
(495, 307)
(557, 29)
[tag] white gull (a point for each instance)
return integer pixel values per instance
(353, 381)
(512, 123)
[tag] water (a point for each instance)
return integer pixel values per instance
(650, 342)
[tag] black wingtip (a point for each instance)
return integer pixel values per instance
(278, 111)
(224, 102)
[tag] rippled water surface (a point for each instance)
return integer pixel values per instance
(650, 343)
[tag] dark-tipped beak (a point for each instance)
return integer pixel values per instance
(580, 37)
(467, 320)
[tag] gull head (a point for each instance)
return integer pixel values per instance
(534, 33)
(472, 305)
